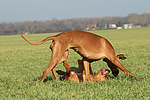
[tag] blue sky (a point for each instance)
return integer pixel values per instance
(22, 10)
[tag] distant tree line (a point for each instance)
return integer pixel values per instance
(55, 25)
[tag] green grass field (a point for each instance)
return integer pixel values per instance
(22, 65)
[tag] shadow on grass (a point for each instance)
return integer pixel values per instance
(48, 78)
(61, 78)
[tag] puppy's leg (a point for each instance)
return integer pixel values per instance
(83, 76)
(66, 65)
(121, 56)
(81, 68)
(86, 68)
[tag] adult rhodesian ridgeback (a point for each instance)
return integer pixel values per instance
(90, 46)
(76, 75)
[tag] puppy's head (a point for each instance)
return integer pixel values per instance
(101, 75)
(104, 72)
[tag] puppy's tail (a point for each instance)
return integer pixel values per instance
(46, 39)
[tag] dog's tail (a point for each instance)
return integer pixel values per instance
(46, 39)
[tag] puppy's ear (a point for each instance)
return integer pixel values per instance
(60, 72)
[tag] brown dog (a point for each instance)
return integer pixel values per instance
(76, 75)
(90, 46)
(80, 77)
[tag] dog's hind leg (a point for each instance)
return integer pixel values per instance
(120, 66)
(113, 67)
(51, 66)
(57, 53)
(63, 59)
(54, 74)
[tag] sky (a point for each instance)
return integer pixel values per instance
(31, 10)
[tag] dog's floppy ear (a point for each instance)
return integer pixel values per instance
(60, 72)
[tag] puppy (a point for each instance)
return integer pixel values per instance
(100, 75)
(76, 75)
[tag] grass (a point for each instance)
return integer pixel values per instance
(22, 64)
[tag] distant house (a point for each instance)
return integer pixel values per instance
(127, 25)
(148, 25)
(25, 32)
(110, 26)
(1, 30)
(88, 27)
(91, 27)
